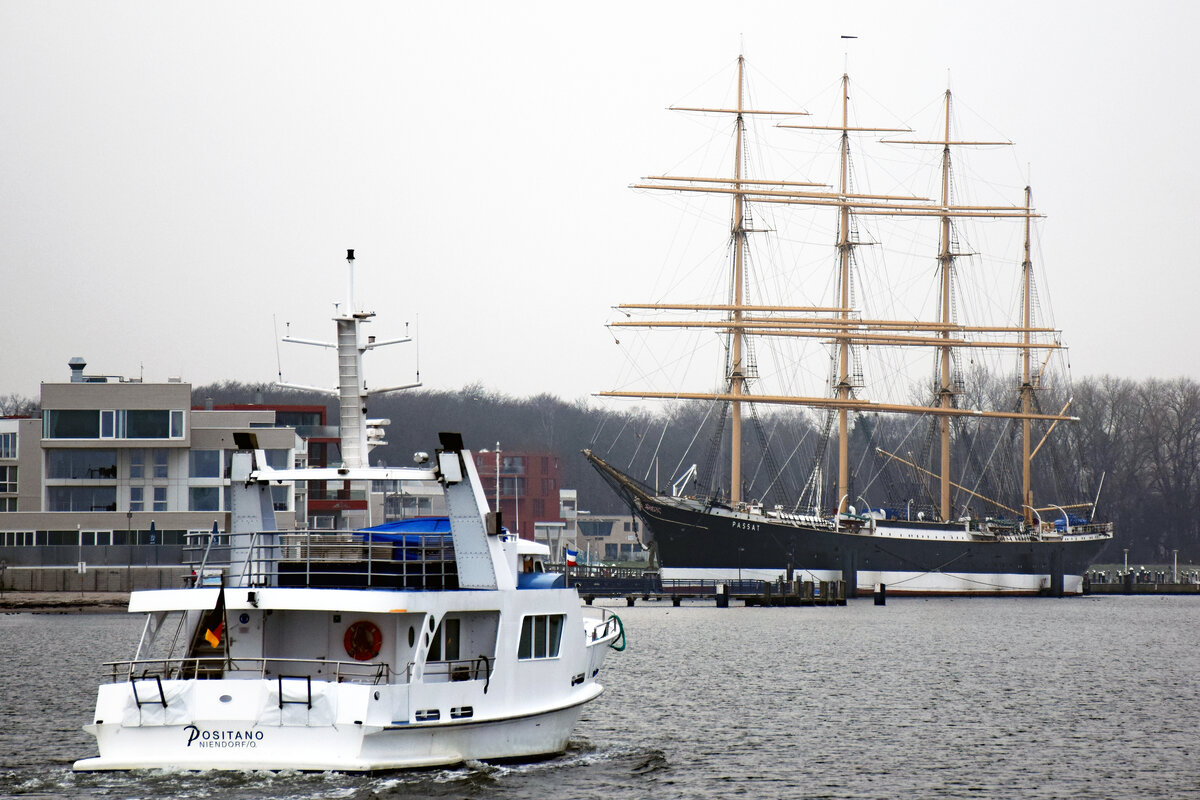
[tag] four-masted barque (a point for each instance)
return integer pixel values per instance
(960, 541)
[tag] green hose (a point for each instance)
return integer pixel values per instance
(618, 644)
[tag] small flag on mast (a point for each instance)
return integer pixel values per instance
(572, 557)
(213, 623)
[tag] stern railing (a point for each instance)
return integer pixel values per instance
(249, 669)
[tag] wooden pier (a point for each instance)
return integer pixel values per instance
(750, 593)
(1132, 587)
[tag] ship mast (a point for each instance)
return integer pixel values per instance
(1026, 377)
(946, 262)
(844, 252)
(838, 324)
(736, 376)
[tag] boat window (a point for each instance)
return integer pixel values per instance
(445, 641)
(541, 635)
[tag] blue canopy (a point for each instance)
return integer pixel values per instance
(414, 525)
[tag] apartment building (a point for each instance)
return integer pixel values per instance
(114, 464)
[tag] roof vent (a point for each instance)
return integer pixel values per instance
(77, 365)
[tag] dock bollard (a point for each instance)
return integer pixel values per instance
(629, 601)
(880, 594)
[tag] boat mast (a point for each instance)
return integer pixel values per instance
(736, 375)
(946, 262)
(1026, 378)
(355, 430)
(352, 391)
(844, 251)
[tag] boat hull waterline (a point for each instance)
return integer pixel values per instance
(344, 745)
(696, 542)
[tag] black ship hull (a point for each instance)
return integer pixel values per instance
(909, 557)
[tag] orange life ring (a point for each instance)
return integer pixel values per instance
(363, 640)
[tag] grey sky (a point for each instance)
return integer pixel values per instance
(173, 175)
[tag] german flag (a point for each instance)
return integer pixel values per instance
(213, 623)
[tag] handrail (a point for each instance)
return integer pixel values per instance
(187, 668)
(212, 537)
(455, 669)
(607, 630)
(332, 559)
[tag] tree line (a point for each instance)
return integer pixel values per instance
(1135, 451)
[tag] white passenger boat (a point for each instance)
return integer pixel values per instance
(442, 642)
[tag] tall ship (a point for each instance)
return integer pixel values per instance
(427, 642)
(936, 391)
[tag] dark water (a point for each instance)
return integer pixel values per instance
(1005, 698)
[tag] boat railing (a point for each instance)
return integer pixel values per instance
(158, 669)
(1093, 528)
(469, 669)
(325, 559)
(601, 623)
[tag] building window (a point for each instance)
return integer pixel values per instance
(204, 498)
(112, 424)
(539, 507)
(70, 424)
(17, 538)
(137, 464)
(81, 465)
(8, 480)
(628, 526)
(8, 504)
(8, 445)
(81, 498)
(148, 424)
(160, 462)
(540, 636)
(204, 463)
(61, 538)
(136, 498)
(160, 498)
